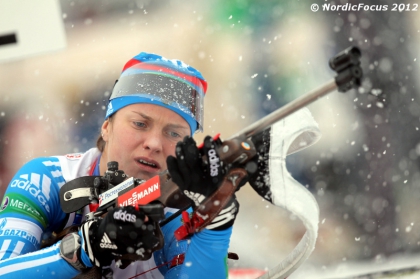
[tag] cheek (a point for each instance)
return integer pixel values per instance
(118, 142)
(123, 133)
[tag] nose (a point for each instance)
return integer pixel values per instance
(153, 142)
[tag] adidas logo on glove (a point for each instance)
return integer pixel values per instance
(197, 198)
(106, 243)
(214, 162)
(124, 216)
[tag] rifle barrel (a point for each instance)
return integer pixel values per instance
(286, 110)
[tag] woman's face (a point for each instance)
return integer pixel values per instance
(140, 137)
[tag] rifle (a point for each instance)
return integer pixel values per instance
(116, 189)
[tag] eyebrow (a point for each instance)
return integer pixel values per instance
(143, 115)
(170, 125)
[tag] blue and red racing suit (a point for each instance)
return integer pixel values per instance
(30, 211)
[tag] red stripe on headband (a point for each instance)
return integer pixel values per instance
(136, 64)
(130, 64)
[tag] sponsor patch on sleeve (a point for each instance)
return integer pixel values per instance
(26, 231)
(16, 204)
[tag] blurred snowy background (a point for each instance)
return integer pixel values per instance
(256, 57)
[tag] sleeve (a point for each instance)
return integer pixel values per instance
(205, 253)
(29, 211)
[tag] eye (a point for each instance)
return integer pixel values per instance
(174, 134)
(139, 124)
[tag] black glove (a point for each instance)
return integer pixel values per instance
(258, 167)
(122, 234)
(199, 179)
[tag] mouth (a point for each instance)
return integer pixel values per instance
(150, 165)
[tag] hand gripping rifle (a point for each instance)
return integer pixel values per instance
(116, 189)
